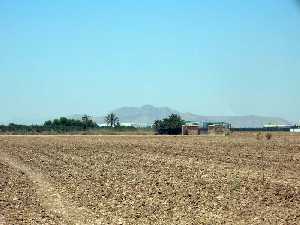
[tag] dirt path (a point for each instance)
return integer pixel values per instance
(50, 199)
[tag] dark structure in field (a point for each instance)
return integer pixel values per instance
(190, 130)
(219, 128)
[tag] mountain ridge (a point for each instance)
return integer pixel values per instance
(147, 114)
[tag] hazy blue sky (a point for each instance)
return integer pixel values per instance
(208, 57)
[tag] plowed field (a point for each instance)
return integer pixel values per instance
(149, 180)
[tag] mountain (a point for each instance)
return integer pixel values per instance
(148, 113)
(144, 114)
(238, 121)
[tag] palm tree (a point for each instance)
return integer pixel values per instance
(111, 120)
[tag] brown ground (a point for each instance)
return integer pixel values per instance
(149, 180)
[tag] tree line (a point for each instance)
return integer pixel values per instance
(64, 123)
(167, 126)
(59, 125)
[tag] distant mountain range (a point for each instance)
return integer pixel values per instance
(147, 114)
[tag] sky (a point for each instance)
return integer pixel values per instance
(210, 57)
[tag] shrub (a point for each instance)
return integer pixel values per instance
(268, 136)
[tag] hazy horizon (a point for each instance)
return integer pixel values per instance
(232, 58)
(41, 120)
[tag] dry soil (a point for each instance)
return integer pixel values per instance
(149, 180)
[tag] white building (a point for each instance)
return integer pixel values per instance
(136, 125)
(277, 126)
(102, 125)
(129, 124)
(295, 130)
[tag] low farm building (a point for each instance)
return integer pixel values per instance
(211, 128)
(190, 129)
(218, 129)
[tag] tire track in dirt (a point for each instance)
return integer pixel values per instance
(50, 199)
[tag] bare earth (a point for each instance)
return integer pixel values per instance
(149, 180)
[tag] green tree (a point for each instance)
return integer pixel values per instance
(171, 125)
(112, 120)
(48, 123)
